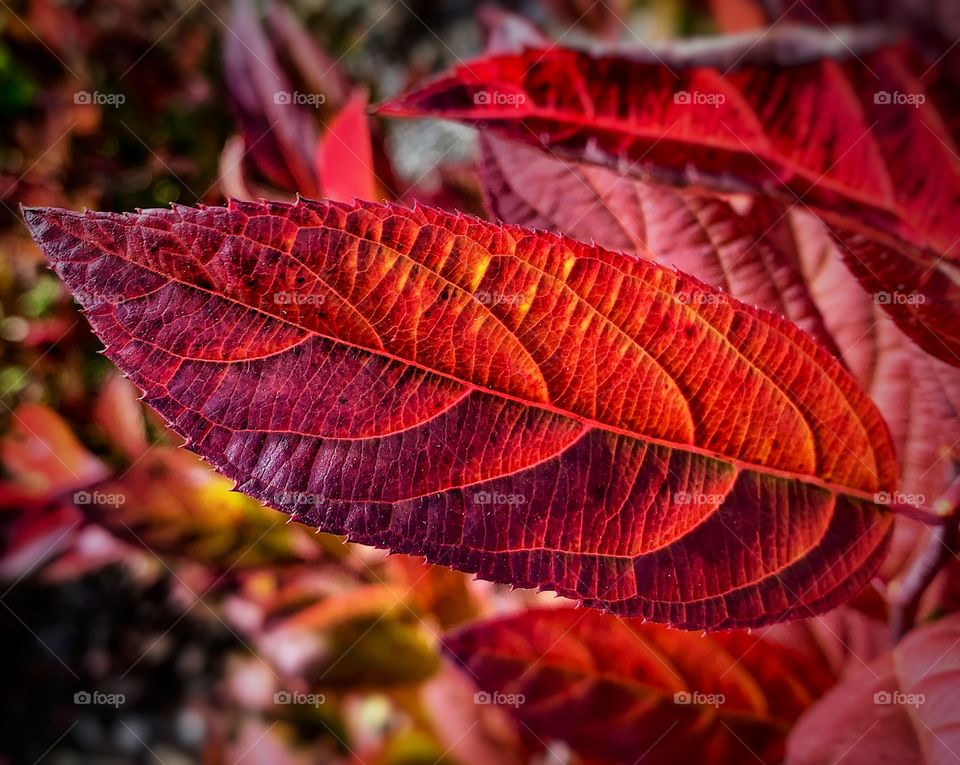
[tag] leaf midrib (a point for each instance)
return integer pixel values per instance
(815, 480)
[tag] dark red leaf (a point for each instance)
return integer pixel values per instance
(620, 691)
(850, 136)
(503, 401)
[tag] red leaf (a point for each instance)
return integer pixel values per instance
(699, 234)
(43, 454)
(793, 124)
(783, 262)
(918, 395)
(902, 708)
(345, 154)
(619, 691)
(512, 403)
(779, 261)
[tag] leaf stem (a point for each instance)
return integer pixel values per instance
(941, 548)
(925, 515)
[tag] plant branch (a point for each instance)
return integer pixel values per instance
(941, 548)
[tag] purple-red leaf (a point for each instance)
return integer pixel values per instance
(503, 401)
(279, 135)
(618, 691)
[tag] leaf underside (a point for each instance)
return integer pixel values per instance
(900, 708)
(507, 402)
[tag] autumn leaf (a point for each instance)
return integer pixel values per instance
(901, 708)
(173, 505)
(784, 261)
(616, 690)
(523, 406)
(312, 142)
(792, 115)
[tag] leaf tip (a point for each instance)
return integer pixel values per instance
(37, 220)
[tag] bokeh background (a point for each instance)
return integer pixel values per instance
(148, 613)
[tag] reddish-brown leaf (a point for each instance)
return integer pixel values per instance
(847, 136)
(900, 709)
(616, 690)
(509, 402)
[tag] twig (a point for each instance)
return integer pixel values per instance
(941, 548)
